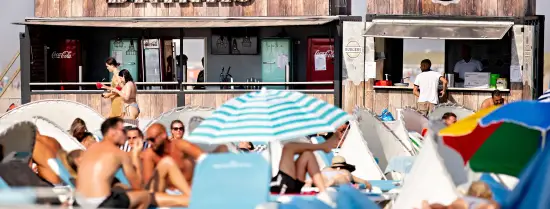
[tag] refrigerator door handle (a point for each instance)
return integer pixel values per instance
(268, 62)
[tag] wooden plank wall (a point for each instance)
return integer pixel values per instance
(157, 103)
(100, 8)
(152, 105)
(516, 8)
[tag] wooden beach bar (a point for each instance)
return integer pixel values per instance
(240, 46)
(312, 46)
(506, 36)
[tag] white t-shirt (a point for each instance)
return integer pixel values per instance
(428, 84)
(462, 67)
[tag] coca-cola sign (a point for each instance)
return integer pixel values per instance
(328, 53)
(62, 55)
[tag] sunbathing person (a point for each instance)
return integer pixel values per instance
(78, 128)
(339, 173)
(87, 139)
(45, 148)
(97, 169)
(292, 174)
(184, 153)
(71, 161)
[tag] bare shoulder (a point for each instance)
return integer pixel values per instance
(147, 154)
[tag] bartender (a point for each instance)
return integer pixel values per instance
(467, 64)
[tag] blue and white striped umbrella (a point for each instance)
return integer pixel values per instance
(545, 97)
(268, 115)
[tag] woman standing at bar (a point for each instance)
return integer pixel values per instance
(128, 94)
(116, 100)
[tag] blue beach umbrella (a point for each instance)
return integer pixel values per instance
(532, 191)
(268, 115)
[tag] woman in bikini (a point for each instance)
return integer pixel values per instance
(128, 94)
(339, 172)
(116, 100)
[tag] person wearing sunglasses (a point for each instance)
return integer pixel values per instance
(495, 100)
(177, 129)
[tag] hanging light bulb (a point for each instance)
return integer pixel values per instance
(246, 42)
(235, 49)
(131, 49)
(118, 43)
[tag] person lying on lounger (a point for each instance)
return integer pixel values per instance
(87, 139)
(45, 148)
(184, 153)
(339, 172)
(71, 161)
(292, 173)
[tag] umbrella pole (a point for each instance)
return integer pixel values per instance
(543, 143)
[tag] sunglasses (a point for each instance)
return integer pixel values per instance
(177, 128)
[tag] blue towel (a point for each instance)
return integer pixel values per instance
(351, 198)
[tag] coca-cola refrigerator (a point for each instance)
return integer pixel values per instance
(63, 62)
(320, 61)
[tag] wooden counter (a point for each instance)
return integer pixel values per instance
(154, 104)
(393, 97)
(378, 98)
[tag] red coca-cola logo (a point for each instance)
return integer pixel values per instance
(62, 55)
(328, 53)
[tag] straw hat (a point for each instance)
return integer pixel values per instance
(340, 162)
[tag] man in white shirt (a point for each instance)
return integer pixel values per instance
(426, 87)
(467, 64)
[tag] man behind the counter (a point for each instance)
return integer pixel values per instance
(467, 64)
(426, 86)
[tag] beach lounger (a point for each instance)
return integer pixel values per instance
(3, 184)
(121, 177)
(61, 171)
(228, 180)
(304, 204)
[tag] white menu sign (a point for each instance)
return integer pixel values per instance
(476, 80)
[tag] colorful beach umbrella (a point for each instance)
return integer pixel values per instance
(500, 139)
(268, 115)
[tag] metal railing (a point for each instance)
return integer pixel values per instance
(186, 84)
(6, 86)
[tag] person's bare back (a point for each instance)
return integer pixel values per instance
(46, 148)
(100, 163)
(98, 167)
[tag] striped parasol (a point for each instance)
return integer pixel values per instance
(268, 115)
(545, 97)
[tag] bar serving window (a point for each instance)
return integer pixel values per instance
(472, 54)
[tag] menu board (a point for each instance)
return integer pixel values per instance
(476, 80)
